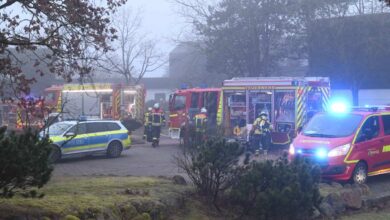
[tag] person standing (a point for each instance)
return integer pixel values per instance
(200, 126)
(158, 120)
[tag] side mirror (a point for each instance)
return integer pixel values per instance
(70, 134)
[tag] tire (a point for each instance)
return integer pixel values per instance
(359, 174)
(55, 154)
(114, 149)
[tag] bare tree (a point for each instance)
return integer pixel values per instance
(134, 55)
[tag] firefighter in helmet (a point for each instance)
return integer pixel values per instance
(261, 132)
(200, 125)
(158, 120)
(147, 122)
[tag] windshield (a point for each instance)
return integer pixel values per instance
(179, 103)
(332, 125)
(58, 128)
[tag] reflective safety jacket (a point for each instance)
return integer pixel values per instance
(148, 118)
(200, 122)
(157, 117)
(261, 126)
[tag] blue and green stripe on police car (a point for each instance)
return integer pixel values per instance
(95, 141)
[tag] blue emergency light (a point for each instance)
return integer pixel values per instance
(321, 153)
(339, 106)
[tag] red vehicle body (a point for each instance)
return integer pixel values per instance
(347, 146)
(99, 100)
(185, 104)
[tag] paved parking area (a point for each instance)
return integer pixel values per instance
(140, 160)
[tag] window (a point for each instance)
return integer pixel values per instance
(369, 130)
(96, 127)
(386, 124)
(58, 128)
(194, 100)
(51, 96)
(332, 125)
(113, 127)
(180, 103)
(285, 106)
(78, 129)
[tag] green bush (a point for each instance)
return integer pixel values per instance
(24, 162)
(211, 166)
(277, 189)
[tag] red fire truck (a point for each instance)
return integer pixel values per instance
(185, 104)
(99, 100)
(288, 101)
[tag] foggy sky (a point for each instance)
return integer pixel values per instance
(161, 22)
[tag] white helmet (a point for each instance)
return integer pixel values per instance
(150, 109)
(156, 106)
(203, 110)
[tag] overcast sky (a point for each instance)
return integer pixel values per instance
(161, 22)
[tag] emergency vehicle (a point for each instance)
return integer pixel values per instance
(288, 101)
(99, 101)
(348, 144)
(87, 138)
(27, 111)
(186, 103)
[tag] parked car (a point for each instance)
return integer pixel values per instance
(87, 138)
(348, 144)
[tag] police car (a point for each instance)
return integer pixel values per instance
(87, 138)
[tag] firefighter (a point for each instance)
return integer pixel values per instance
(147, 122)
(158, 120)
(200, 125)
(261, 132)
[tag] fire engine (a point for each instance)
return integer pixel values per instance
(26, 111)
(186, 103)
(99, 100)
(289, 102)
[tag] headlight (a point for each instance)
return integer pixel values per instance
(339, 151)
(291, 151)
(321, 153)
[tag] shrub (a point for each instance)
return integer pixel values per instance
(211, 166)
(277, 189)
(24, 162)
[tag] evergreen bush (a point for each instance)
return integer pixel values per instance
(24, 162)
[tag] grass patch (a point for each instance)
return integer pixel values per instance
(74, 195)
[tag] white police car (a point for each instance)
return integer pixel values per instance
(87, 138)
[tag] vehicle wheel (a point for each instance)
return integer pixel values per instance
(154, 144)
(359, 175)
(114, 149)
(55, 154)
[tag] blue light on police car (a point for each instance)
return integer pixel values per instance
(299, 151)
(322, 153)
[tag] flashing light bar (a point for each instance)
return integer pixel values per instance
(89, 90)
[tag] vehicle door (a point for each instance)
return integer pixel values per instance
(76, 139)
(98, 135)
(369, 143)
(385, 153)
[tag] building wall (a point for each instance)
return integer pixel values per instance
(366, 96)
(151, 94)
